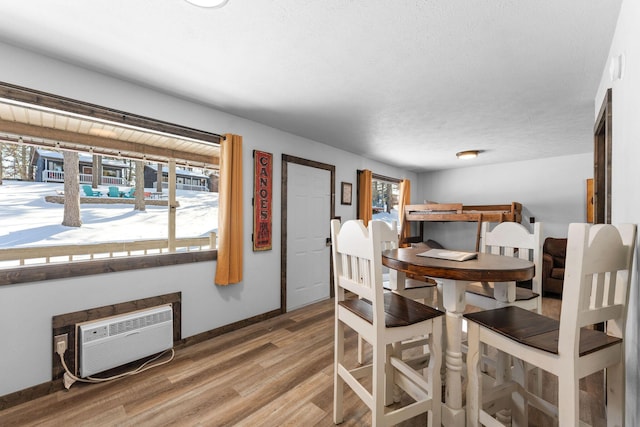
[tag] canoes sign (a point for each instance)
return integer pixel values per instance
(262, 189)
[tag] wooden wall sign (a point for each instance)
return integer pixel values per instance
(262, 192)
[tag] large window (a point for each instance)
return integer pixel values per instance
(384, 198)
(33, 187)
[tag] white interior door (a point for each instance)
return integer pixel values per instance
(308, 216)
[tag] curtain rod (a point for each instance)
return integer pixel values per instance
(382, 177)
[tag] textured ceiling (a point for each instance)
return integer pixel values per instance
(405, 82)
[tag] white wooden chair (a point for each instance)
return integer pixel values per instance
(383, 319)
(423, 291)
(514, 240)
(596, 288)
(510, 239)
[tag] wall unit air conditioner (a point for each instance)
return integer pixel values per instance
(114, 341)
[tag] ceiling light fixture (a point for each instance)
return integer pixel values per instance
(213, 4)
(469, 154)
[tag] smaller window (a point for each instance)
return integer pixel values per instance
(385, 193)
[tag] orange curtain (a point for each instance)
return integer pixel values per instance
(229, 265)
(365, 211)
(403, 200)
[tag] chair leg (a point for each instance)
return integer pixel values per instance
(360, 350)
(380, 367)
(503, 375)
(392, 391)
(568, 398)
(615, 394)
(338, 383)
(435, 364)
(474, 375)
(503, 367)
(520, 405)
(537, 379)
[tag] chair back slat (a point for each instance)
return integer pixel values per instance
(597, 280)
(364, 269)
(353, 273)
(609, 296)
(525, 253)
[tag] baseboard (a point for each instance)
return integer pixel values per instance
(204, 336)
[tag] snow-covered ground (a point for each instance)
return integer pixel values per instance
(26, 219)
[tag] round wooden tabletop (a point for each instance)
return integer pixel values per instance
(484, 268)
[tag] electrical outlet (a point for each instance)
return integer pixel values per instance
(62, 340)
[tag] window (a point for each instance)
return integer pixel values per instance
(115, 173)
(384, 194)
(120, 139)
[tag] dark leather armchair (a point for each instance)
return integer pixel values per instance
(554, 252)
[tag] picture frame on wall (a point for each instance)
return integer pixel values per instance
(345, 193)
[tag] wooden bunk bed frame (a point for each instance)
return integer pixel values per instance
(457, 212)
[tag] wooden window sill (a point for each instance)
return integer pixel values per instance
(37, 273)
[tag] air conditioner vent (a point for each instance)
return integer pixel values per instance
(138, 322)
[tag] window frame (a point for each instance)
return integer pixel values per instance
(61, 270)
(379, 177)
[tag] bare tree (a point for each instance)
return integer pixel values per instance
(24, 165)
(71, 189)
(139, 193)
(18, 158)
(130, 172)
(159, 178)
(96, 171)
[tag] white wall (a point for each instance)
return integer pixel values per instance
(552, 190)
(626, 175)
(26, 309)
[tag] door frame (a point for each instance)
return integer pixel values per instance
(602, 174)
(286, 159)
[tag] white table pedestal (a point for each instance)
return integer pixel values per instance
(453, 300)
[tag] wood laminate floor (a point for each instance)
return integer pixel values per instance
(275, 373)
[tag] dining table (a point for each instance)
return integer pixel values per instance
(454, 276)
